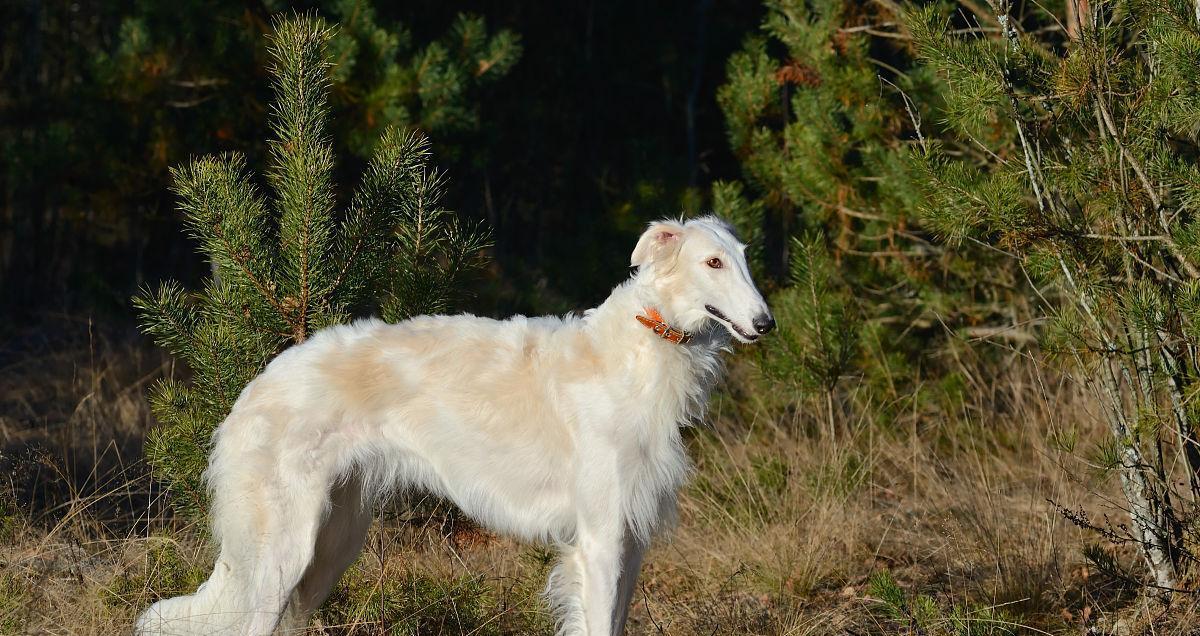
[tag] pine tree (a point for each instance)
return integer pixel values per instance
(287, 265)
(1088, 175)
(974, 165)
(821, 109)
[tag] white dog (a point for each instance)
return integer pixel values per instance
(564, 430)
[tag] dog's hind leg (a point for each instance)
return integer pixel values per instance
(563, 593)
(285, 529)
(267, 510)
(208, 611)
(267, 526)
(338, 544)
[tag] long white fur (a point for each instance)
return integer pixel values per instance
(564, 430)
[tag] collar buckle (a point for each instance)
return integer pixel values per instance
(661, 329)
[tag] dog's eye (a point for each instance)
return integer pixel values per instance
(715, 263)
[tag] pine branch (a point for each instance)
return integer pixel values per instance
(390, 180)
(226, 215)
(1150, 190)
(302, 164)
(167, 318)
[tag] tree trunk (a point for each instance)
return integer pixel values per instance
(1150, 525)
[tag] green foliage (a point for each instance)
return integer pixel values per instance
(384, 76)
(14, 598)
(818, 334)
(874, 278)
(418, 603)
(399, 84)
(1087, 174)
(920, 614)
(287, 265)
(937, 183)
(168, 572)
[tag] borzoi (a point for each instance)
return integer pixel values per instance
(564, 430)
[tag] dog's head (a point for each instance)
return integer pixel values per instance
(698, 271)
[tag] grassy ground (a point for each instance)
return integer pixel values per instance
(804, 518)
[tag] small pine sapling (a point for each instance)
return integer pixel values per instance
(286, 265)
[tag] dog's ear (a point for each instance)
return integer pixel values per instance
(660, 240)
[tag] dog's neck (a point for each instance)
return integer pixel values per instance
(616, 319)
(677, 377)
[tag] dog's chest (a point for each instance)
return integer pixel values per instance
(653, 467)
(675, 387)
(654, 461)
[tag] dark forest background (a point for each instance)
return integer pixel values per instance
(607, 119)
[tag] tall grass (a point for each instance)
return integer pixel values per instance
(795, 512)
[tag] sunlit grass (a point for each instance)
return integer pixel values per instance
(791, 515)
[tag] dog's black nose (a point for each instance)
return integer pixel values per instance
(764, 323)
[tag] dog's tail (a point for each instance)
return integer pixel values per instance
(219, 606)
(207, 611)
(267, 508)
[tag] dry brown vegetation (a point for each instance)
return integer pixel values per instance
(790, 513)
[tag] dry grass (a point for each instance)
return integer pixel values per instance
(790, 513)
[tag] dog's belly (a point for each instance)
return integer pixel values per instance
(518, 485)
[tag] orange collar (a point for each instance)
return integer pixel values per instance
(656, 324)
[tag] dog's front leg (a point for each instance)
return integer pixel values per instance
(609, 559)
(599, 552)
(631, 564)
